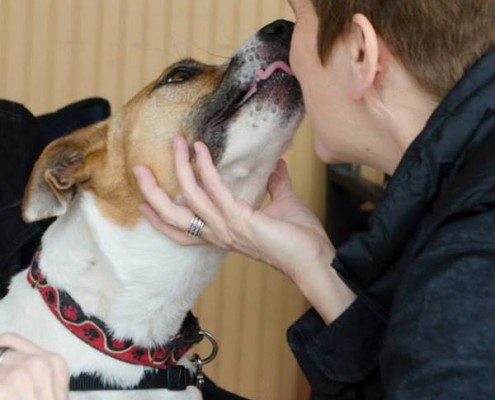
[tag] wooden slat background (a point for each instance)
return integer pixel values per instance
(53, 52)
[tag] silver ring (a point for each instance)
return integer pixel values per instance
(3, 350)
(196, 227)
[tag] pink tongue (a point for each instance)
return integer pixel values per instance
(264, 74)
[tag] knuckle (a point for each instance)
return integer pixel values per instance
(60, 368)
(39, 364)
(156, 195)
(228, 240)
(163, 221)
(18, 377)
(9, 337)
(58, 363)
(169, 220)
(232, 229)
(188, 192)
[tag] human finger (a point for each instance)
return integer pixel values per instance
(164, 215)
(191, 190)
(29, 372)
(39, 372)
(177, 235)
(163, 207)
(213, 183)
(17, 383)
(279, 182)
(195, 195)
(60, 376)
(18, 343)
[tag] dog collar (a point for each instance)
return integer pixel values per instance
(174, 378)
(95, 333)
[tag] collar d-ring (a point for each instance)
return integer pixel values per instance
(201, 362)
(214, 348)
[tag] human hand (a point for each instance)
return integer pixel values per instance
(285, 234)
(30, 373)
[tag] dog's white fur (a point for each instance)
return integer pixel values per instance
(132, 277)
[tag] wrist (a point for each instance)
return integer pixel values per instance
(323, 288)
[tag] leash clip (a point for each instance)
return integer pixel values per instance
(201, 362)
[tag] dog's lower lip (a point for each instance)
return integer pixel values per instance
(228, 110)
(260, 75)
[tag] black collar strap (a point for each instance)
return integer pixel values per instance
(173, 378)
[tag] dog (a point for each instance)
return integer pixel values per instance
(107, 291)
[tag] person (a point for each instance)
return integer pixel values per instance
(30, 373)
(404, 310)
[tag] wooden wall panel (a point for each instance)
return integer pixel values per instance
(53, 52)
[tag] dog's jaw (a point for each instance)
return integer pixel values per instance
(263, 97)
(265, 103)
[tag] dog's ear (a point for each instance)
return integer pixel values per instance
(63, 167)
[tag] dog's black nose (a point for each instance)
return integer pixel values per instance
(280, 29)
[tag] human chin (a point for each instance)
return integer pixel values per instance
(322, 149)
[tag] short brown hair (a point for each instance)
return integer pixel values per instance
(436, 40)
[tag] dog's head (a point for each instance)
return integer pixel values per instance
(246, 112)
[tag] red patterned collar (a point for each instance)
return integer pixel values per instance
(95, 333)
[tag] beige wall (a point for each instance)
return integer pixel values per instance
(53, 52)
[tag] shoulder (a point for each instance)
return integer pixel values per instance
(465, 228)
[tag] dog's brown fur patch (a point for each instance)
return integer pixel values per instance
(141, 133)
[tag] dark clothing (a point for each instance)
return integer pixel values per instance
(423, 326)
(20, 145)
(22, 138)
(211, 391)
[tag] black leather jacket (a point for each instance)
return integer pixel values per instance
(423, 326)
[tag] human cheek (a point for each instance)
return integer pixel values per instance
(295, 56)
(300, 57)
(298, 63)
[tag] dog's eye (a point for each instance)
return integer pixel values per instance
(179, 75)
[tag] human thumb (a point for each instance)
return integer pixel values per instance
(279, 183)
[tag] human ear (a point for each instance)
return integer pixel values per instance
(365, 56)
